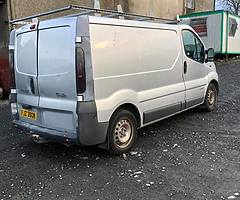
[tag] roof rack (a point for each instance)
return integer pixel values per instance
(89, 11)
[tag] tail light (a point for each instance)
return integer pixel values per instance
(80, 71)
(12, 70)
(14, 108)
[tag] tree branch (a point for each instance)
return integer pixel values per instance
(231, 5)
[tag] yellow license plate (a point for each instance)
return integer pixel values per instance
(28, 114)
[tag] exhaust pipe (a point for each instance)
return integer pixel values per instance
(38, 139)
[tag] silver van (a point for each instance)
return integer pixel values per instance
(90, 80)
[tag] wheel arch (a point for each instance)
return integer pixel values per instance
(216, 84)
(131, 108)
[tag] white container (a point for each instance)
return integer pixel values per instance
(218, 29)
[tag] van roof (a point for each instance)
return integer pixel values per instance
(131, 23)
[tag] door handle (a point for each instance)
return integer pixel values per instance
(185, 67)
(25, 106)
(32, 86)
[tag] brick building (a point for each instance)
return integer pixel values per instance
(12, 9)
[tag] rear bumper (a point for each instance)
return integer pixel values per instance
(48, 134)
(89, 130)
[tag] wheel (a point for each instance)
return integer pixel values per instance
(210, 98)
(122, 132)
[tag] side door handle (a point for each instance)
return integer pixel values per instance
(185, 67)
(32, 85)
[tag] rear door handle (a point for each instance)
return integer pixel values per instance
(185, 67)
(25, 106)
(32, 86)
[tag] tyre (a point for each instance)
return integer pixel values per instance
(210, 98)
(122, 132)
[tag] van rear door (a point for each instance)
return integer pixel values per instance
(46, 74)
(57, 74)
(26, 73)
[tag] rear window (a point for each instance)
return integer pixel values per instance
(56, 50)
(26, 53)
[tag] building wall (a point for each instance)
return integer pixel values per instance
(4, 70)
(19, 8)
(160, 8)
(204, 5)
(112, 4)
(166, 8)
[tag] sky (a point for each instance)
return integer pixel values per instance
(219, 5)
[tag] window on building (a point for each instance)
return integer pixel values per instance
(190, 6)
(193, 47)
(200, 26)
(233, 26)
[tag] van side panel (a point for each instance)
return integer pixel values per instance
(90, 131)
(138, 65)
(83, 33)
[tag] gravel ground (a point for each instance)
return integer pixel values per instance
(194, 155)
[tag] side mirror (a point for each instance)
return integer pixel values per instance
(210, 55)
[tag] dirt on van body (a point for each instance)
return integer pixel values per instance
(194, 155)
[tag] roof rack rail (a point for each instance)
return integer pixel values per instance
(88, 11)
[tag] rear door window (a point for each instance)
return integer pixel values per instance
(55, 50)
(26, 53)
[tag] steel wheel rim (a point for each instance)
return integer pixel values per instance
(123, 133)
(211, 97)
